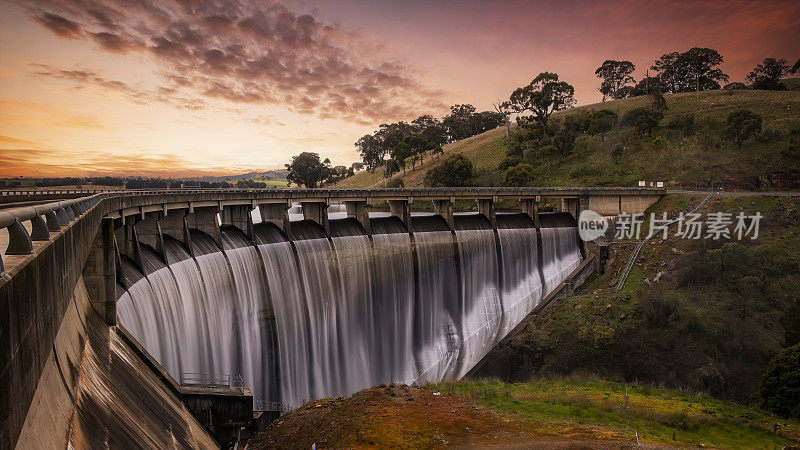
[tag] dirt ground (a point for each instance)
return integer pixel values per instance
(406, 417)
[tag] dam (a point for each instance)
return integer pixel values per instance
(327, 315)
(269, 291)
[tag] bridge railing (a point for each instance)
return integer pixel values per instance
(44, 219)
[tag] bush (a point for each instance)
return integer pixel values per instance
(657, 304)
(792, 151)
(455, 170)
(617, 152)
(642, 120)
(683, 122)
(395, 183)
(510, 161)
(520, 175)
(741, 125)
(779, 391)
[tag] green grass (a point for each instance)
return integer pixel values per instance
(272, 182)
(655, 415)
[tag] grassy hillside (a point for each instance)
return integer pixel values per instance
(484, 150)
(699, 314)
(541, 414)
(769, 161)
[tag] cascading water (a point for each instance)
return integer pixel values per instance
(216, 313)
(254, 320)
(291, 315)
(522, 277)
(482, 307)
(354, 313)
(323, 314)
(152, 310)
(560, 240)
(393, 291)
(437, 306)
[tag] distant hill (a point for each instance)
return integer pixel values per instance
(703, 157)
(270, 174)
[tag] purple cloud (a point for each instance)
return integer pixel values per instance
(247, 52)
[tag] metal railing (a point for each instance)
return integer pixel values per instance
(266, 405)
(207, 379)
(638, 248)
(45, 219)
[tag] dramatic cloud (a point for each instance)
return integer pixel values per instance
(86, 78)
(243, 52)
(60, 26)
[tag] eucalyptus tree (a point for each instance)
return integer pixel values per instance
(543, 96)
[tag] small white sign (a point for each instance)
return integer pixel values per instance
(660, 184)
(642, 184)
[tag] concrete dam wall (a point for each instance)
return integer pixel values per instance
(299, 309)
(95, 391)
(326, 314)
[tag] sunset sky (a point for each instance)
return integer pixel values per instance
(189, 87)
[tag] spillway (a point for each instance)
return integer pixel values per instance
(320, 314)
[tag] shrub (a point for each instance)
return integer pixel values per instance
(642, 120)
(617, 152)
(395, 183)
(792, 150)
(779, 391)
(601, 122)
(741, 125)
(520, 175)
(657, 304)
(510, 161)
(603, 337)
(683, 122)
(657, 102)
(455, 170)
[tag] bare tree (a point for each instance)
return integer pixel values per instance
(504, 109)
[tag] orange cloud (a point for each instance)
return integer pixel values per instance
(243, 52)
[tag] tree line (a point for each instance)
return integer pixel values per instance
(396, 146)
(405, 142)
(694, 70)
(307, 169)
